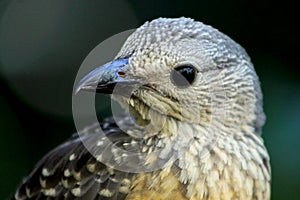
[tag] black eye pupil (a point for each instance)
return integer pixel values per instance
(183, 76)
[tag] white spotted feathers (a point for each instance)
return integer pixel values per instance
(205, 138)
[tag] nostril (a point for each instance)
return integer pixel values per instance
(121, 73)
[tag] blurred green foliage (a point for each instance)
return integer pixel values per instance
(42, 45)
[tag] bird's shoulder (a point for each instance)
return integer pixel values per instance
(70, 170)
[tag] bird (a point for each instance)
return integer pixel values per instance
(191, 127)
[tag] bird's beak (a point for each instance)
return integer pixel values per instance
(104, 78)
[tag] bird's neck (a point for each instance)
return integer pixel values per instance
(228, 162)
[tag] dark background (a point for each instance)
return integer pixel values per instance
(43, 43)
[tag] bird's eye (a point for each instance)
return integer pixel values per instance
(183, 76)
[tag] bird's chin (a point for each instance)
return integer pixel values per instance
(139, 111)
(142, 113)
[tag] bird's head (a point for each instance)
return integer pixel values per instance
(182, 70)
